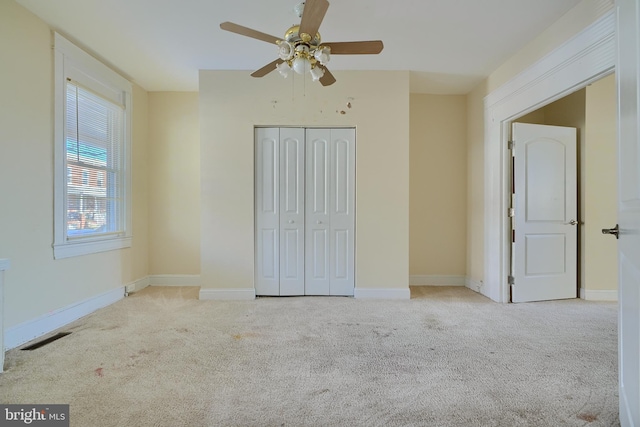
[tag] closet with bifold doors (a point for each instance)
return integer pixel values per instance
(304, 211)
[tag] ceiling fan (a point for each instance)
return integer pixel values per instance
(301, 50)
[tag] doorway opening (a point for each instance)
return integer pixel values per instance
(591, 110)
(584, 59)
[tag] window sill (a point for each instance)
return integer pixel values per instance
(68, 250)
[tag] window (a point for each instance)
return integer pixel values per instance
(92, 139)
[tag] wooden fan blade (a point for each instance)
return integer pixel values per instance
(355, 48)
(267, 68)
(312, 16)
(327, 79)
(245, 31)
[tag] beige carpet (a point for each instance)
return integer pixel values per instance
(447, 357)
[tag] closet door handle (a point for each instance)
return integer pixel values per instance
(291, 221)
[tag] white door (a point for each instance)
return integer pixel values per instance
(330, 224)
(546, 222)
(628, 75)
(292, 211)
(267, 186)
(318, 221)
(279, 211)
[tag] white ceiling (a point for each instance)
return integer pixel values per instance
(448, 45)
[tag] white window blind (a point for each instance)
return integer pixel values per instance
(94, 137)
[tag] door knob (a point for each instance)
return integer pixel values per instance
(615, 231)
(573, 222)
(318, 222)
(290, 221)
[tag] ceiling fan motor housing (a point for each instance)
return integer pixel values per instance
(292, 36)
(296, 46)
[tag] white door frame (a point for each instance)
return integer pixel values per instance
(583, 59)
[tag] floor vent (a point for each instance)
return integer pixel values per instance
(46, 341)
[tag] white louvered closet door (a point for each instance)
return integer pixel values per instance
(305, 185)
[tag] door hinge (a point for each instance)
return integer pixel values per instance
(511, 144)
(512, 212)
(511, 280)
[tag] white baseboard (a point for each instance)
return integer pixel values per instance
(138, 285)
(227, 294)
(473, 284)
(29, 330)
(374, 293)
(437, 280)
(596, 295)
(164, 280)
(174, 280)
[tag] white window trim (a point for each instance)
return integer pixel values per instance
(72, 62)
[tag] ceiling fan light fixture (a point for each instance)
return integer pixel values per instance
(322, 55)
(301, 65)
(285, 50)
(284, 69)
(316, 73)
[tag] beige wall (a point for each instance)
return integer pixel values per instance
(600, 186)
(136, 259)
(438, 185)
(475, 186)
(36, 283)
(231, 103)
(574, 21)
(174, 172)
(535, 117)
(568, 111)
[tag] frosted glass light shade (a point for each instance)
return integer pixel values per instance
(316, 73)
(285, 50)
(322, 55)
(301, 65)
(284, 69)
